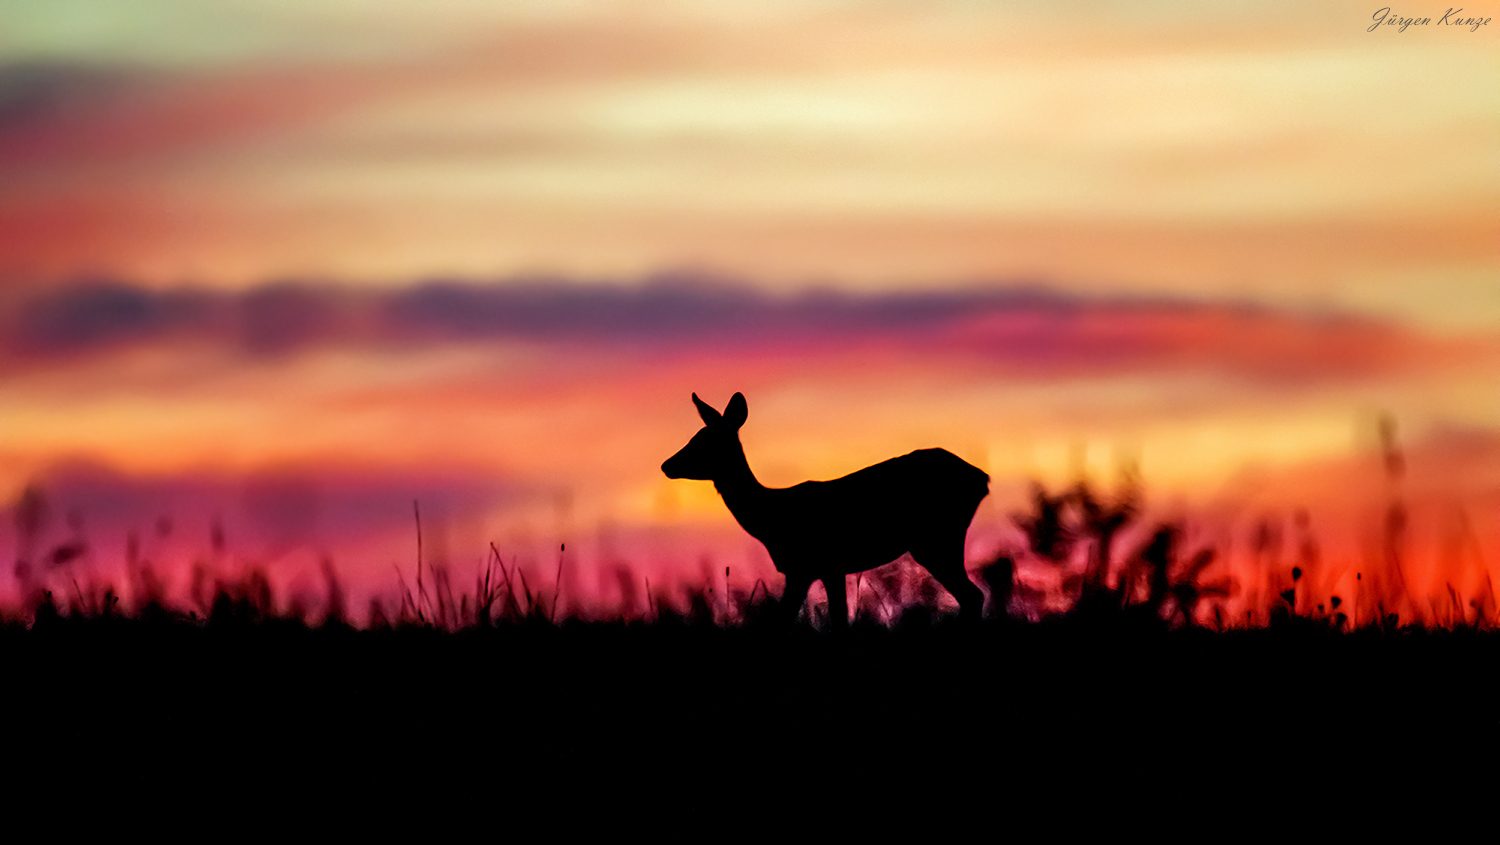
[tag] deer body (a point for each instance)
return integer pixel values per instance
(919, 504)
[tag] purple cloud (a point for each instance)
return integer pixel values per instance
(1016, 328)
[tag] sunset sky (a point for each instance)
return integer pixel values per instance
(290, 266)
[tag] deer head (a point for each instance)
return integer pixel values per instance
(716, 446)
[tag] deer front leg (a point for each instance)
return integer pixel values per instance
(794, 595)
(838, 601)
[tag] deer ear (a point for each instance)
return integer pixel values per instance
(706, 411)
(736, 411)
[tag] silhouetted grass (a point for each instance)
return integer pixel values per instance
(668, 719)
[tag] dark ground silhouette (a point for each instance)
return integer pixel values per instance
(687, 716)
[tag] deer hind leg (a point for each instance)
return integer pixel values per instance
(946, 563)
(838, 601)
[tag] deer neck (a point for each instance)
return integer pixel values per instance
(741, 492)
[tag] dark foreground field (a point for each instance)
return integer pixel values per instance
(676, 717)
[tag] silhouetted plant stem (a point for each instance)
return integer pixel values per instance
(421, 590)
(557, 582)
(525, 589)
(406, 596)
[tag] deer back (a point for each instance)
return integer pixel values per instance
(875, 515)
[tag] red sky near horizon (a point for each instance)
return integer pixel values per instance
(288, 269)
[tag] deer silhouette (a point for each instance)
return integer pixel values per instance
(919, 504)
